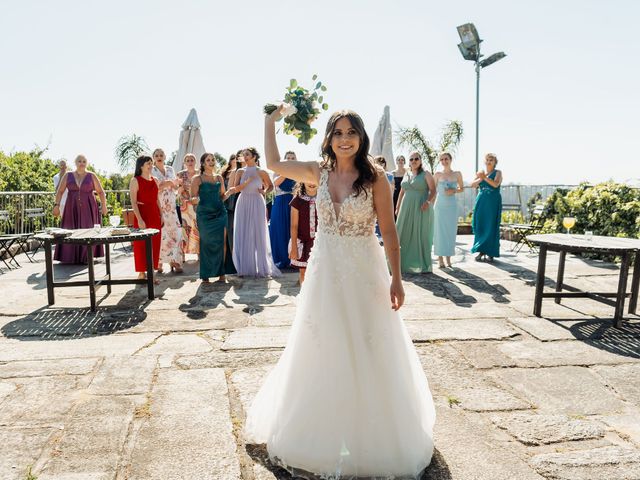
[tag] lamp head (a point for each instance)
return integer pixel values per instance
(492, 59)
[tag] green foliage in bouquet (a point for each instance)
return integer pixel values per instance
(307, 105)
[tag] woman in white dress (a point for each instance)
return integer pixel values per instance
(348, 397)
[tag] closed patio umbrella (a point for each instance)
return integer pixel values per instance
(190, 140)
(382, 140)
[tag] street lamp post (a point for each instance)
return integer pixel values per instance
(469, 47)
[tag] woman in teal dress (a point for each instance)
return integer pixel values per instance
(415, 218)
(207, 190)
(448, 183)
(487, 211)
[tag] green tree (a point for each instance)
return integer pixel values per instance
(449, 140)
(128, 149)
(26, 171)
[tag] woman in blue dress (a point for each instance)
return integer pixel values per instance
(207, 190)
(487, 211)
(448, 183)
(280, 223)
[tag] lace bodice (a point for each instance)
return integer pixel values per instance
(356, 216)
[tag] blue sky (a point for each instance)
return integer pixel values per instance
(561, 108)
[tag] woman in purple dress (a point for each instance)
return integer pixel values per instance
(251, 245)
(80, 210)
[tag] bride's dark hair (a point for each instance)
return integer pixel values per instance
(366, 170)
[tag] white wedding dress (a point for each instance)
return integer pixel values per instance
(348, 397)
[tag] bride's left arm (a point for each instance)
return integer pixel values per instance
(383, 203)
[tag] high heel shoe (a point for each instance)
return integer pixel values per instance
(176, 268)
(480, 257)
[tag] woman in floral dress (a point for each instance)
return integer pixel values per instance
(170, 251)
(190, 236)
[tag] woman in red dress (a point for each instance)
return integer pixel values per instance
(144, 201)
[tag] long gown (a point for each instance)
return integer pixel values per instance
(80, 211)
(251, 246)
(215, 256)
(230, 204)
(280, 224)
(446, 220)
(348, 396)
(190, 236)
(150, 213)
(171, 243)
(415, 227)
(487, 213)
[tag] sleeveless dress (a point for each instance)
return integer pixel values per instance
(348, 396)
(80, 211)
(251, 245)
(230, 204)
(446, 220)
(487, 214)
(280, 224)
(171, 242)
(150, 213)
(190, 236)
(415, 227)
(215, 256)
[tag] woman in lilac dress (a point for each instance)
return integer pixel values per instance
(251, 245)
(80, 210)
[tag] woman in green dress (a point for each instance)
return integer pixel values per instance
(487, 211)
(207, 190)
(415, 218)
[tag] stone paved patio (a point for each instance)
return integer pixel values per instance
(158, 390)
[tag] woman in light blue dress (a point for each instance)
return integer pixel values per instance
(487, 211)
(448, 183)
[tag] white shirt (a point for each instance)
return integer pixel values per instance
(63, 200)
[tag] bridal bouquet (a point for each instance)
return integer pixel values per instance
(302, 108)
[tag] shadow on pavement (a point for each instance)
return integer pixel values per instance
(437, 470)
(441, 287)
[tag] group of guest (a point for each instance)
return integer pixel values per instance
(426, 212)
(222, 217)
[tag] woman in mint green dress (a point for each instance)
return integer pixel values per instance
(207, 189)
(448, 183)
(487, 211)
(415, 218)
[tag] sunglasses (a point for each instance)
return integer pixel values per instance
(414, 159)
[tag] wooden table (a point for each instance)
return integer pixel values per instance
(90, 237)
(626, 248)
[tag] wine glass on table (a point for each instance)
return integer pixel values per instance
(568, 223)
(114, 220)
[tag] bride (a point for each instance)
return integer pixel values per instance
(348, 397)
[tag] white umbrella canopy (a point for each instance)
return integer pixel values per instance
(190, 140)
(382, 140)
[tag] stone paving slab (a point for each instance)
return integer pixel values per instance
(41, 368)
(177, 343)
(551, 354)
(188, 433)
(477, 329)
(568, 390)
(39, 402)
(18, 350)
(19, 449)
(611, 463)
(123, 375)
(624, 379)
(104, 420)
(532, 429)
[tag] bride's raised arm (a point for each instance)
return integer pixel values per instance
(299, 171)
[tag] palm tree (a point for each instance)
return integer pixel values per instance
(448, 141)
(128, 149)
